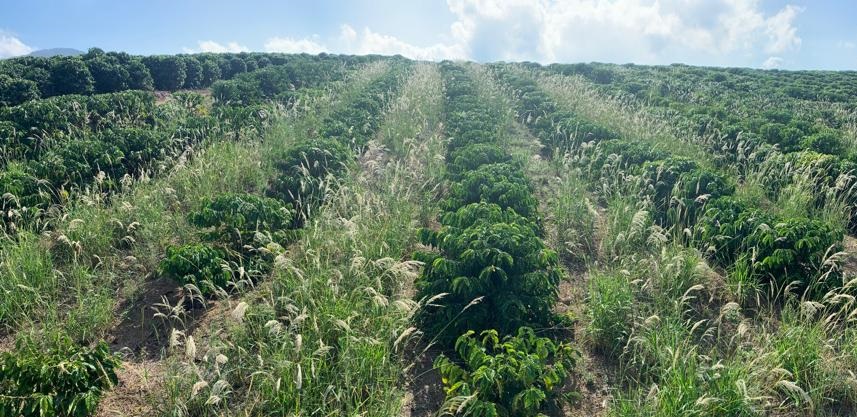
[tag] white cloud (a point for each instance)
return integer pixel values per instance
(772, 62)
(369, 42)
(212, 46)
(621, 30)
(781, 30)
(293, 46)
(709, 32)
(215, 47)
(12, 46)
(347, 34)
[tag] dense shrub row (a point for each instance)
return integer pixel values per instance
(750, 116)
(242, 230)
(33, 127)
(685, 194)
(279, 82)
(753, 106)
(58, 145)
(29, 78)
(242, 233)
(94, 151)
(305, 167)
(491, 273)
(782, 251)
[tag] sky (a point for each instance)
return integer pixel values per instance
(784, 34)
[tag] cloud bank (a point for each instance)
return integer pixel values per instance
(215, 47)
(12, 46)
(715, 32)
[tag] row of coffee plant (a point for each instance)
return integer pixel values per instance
(33, 127)
(491, 283)
(688, 196)
(278, 82)
(747, 108)
(98, 72)
(782, 130)
(653, 302)
(66, 144)
(241, 234)
(327, 332)
(71, 157)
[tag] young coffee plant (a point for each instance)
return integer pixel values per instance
(492, 272)
(198, 264)
(472, 157)
(235, 219)
(520, 376)
(304, 166)
(678, 187)
(63, 381)
(501, 184)
(783, 251)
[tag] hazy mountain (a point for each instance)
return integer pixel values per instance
(56, 51)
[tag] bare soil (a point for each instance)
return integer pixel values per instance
(424, 395)
(140, 334)
(132, 396)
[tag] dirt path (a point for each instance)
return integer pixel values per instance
(593, 383)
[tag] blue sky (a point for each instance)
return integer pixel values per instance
(796, 34)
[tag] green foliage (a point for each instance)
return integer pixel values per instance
(492, 272)
(24, 195)
(14, 91)
(602, 75)
(678, 187)
(236, 66)
(168, 72)
(210, 72)
(303, 167)
(193, 73)
(622, 154)
(201, 265)
(521, 376)
(275, 82)
(501, 184)
(786, 137)
(826, 142)
(661, 177)
(67, 380)
(783, 251)
(70, 142)
(696, 188)
(558, 130)
(28, 78)
(78, 162)
(793, 250)
(139, 147)
(38, 123)
(139, 77)
(355, 123)
(474, 156)
(69, 75)
(108, 74)
(236, 218)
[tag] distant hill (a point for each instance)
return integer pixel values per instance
(56, 51)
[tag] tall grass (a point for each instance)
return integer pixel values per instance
(628, 118)
(327, 335)
(100, 252)
(685, 337)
